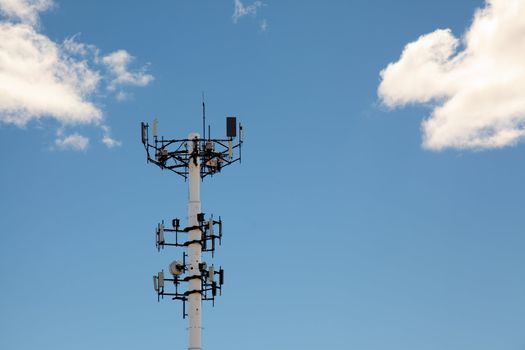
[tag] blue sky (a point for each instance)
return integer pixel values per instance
(342, 230)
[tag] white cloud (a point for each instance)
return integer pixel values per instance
(74, 142)
(37, 80)
(26, 11)
(476, 84)
(107, 139)
(75, 48)
(118, 63)
(110, 142)
(263, 25)
(122, 96)
(40, 78)
(240, 10)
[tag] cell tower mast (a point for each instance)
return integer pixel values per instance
(194, 159)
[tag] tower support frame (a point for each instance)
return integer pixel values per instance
(194, 250)
(194, 158)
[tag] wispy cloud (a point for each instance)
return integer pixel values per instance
(74, 142)
(476, 83)
(118, 64)
(26, 11)
(74, 47)
(122, 96)
(240, 10)
(263, 25)
(40, 78)
(107, 139)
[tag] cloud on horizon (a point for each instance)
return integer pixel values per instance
(42, 79)
(475, 84)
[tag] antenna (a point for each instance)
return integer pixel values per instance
(203, 117)
(193, 158)
(155, 127)
(231, 127)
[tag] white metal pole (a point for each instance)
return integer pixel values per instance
(194, 251)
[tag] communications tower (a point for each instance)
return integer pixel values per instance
(192, 280)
